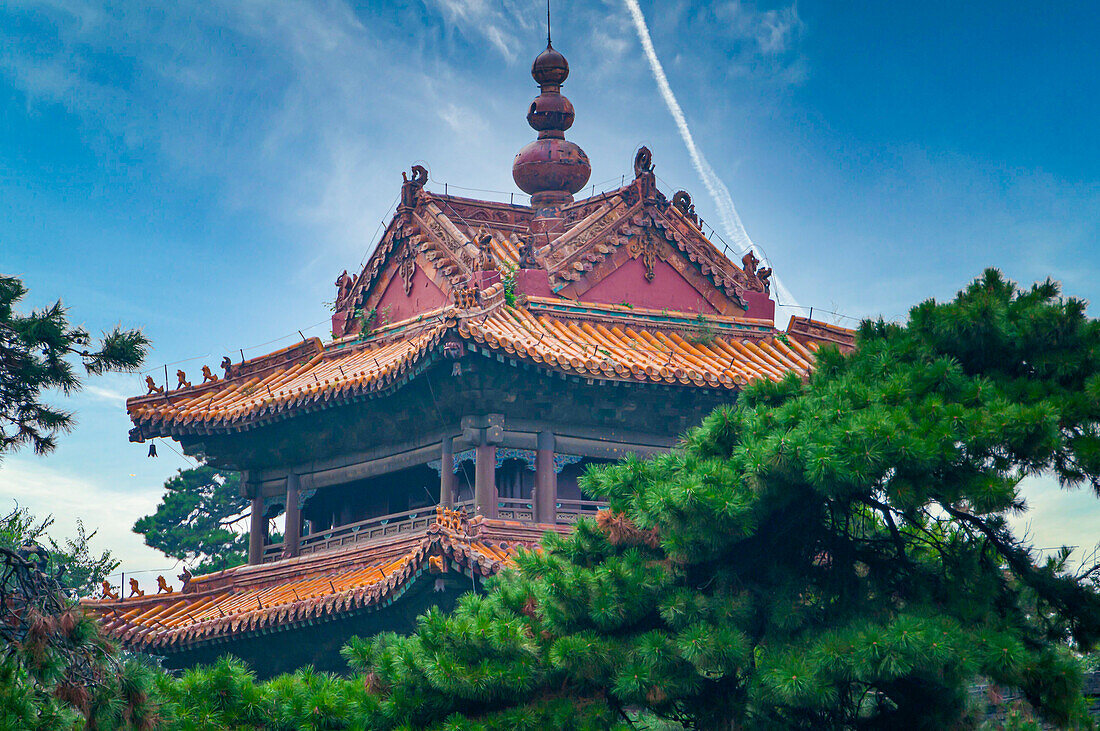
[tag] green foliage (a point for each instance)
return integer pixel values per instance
(24, 704)
(196, 520)
(508, 280)
(72, 561)
(225, 695)
(366, 320)
(370, 320)
(37, 351)
(827, 553)
(56, 670)
(704, 333)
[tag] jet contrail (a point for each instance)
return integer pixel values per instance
(727, 212)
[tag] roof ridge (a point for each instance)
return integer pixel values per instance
(579, 339)
(633, 310)
(189, 618)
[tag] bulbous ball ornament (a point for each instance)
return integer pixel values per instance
(551, 164)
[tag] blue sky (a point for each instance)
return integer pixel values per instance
(206, 170)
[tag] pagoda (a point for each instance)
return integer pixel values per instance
(484, 357)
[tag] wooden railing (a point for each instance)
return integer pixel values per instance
(363, 531)
(510, 508)
(570, 511)
(409, 521)
(414, 521)
(273, 552)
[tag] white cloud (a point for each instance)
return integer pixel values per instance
(773, 32)
(464, 121)
(109, 511)
(106, 394)
(1059, 517)
(273, 100)
(483, 18)
(723, 201)
(110, 389)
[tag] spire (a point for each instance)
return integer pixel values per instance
(551, 169)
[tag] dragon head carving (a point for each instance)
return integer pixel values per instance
(419, 176)
(643, 161)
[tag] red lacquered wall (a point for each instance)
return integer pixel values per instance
(668, 290)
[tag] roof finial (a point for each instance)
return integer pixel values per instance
(551, 169)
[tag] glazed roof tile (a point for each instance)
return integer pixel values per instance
(442, 231)
(606, 342)
(289, 592)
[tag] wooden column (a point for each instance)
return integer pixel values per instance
(546, 480)
(257, 529)
(485, 485)
(292, 533)
(447, 473)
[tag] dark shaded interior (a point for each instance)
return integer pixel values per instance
(396, 492)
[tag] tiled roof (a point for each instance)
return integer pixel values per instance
(442, 232)
(294, 591)
(621, 351)
(608, 342)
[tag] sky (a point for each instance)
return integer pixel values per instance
(205, 170)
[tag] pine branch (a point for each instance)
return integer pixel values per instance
(887, 513)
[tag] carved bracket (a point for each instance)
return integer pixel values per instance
(406, 266)
(648, 247)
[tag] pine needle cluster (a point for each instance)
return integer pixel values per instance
(37, 353)
(825, 553)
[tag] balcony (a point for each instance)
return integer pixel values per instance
(418, 520)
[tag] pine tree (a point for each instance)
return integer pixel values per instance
(56, 670)
(825, 553)
(71, 561)
(196, 517)
(37, 351)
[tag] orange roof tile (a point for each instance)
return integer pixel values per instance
(281, 595)
(608, 342)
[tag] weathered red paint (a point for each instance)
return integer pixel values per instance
(484, 280)
(668, 290)
(395, 305)
(759, 304)
(340, 323)
(535, 282)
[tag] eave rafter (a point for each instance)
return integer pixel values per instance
(249, 600)
(573, 340)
